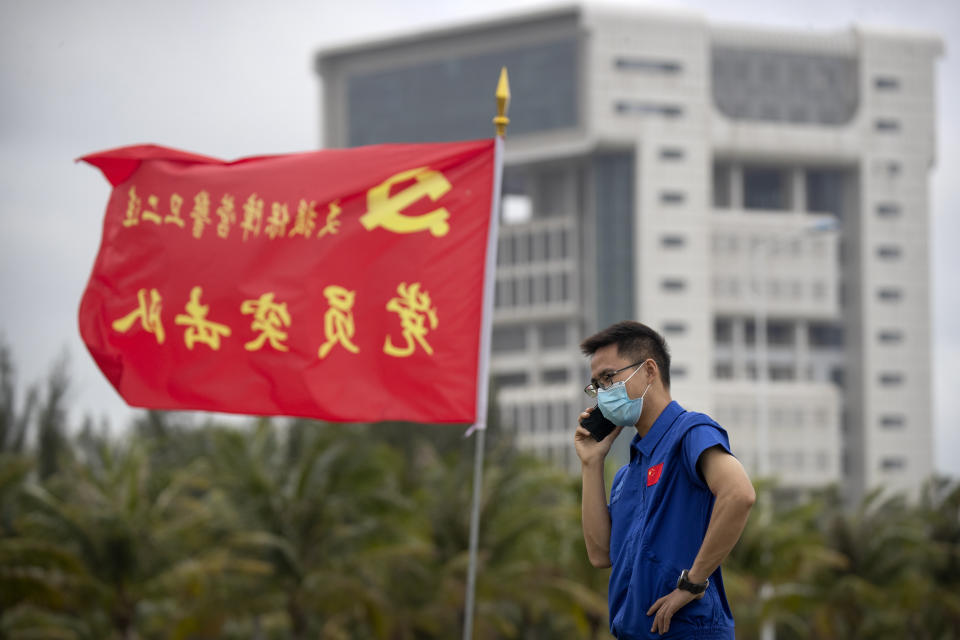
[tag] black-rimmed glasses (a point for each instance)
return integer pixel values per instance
(605, 380)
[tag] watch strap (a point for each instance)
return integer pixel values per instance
(696, 588)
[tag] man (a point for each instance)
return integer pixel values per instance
(676, 510)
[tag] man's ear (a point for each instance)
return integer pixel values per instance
(652, 368)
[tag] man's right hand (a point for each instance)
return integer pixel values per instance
(589, 450)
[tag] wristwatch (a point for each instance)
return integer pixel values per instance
(696, 588)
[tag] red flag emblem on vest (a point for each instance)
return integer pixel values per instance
(653, 474)
(342, 285)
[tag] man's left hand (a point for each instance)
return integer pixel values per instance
(668, 605)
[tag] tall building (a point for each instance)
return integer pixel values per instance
(760, 196)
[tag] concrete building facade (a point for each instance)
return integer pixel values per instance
(665, 169)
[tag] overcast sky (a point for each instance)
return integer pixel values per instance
(232, 79)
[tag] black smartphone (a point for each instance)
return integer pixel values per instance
(598, 426)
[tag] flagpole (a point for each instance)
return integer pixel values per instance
(480, 427)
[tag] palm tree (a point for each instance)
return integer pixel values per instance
(318, 507)
(116, 547)
(934, 608)
(781, 550)
(869, 595)
(529, 537)
(14, 420)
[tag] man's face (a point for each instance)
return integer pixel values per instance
(606, 361)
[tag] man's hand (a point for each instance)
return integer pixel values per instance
(589, 450)
(668, 605)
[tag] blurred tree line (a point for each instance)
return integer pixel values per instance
(295, 529)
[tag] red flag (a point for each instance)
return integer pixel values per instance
(343, 285)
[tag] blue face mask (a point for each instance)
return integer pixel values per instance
(617, 407)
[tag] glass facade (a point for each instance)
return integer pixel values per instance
(450, 99)
(614, 180)
(783, 86)
(765, 188)
(825, 190)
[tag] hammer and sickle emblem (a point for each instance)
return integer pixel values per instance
(384, 210)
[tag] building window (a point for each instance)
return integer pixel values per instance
(672, 153)
(780, 333)
(888, 210)
(890, 336)
(723, 331)
(519, 249)
(555, 376)
(781, 372)
(886, 125)
(723, 371)
(889, 294)
(506, 339)
(721, 186)
(649, 65)
(672, 241)
(892, 421)
(673, 284)
(891, 378)
(765, 189)
(552, 192)
(558, 245)
(565, 286)
(672, 197)
(893, 463)
(775, 85)
(888, 252)
(886, 83)
(539, 285)
(838, 376)
(503, 294)
(648, 108)
(825, 335)
(723, 243)
(674, 328)
(552, 288)
(678, 372)
(824, 188)
(553, 335)
(521, 297)
(509, 380)
(503, 252)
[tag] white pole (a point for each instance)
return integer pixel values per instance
(474, 535)
(483, 373)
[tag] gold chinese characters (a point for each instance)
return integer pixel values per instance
(417, 317)
(386, 203)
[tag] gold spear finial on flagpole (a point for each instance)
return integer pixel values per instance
(503, 103)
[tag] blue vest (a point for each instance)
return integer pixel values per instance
(660, 507)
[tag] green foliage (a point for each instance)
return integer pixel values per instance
(298, 529)
(884, 569)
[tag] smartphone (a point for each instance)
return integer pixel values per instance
(598, 426)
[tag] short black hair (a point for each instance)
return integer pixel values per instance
(635, 341)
